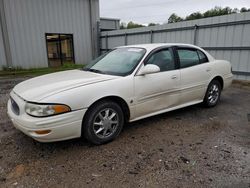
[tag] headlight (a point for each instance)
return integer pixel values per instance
(44, 110)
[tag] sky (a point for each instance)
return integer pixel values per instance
(158, 11)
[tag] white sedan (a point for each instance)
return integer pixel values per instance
(127, 84)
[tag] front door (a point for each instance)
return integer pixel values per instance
(158, 91)
(60, 49)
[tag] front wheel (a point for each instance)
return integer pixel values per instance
(103, 122)
(213, 94)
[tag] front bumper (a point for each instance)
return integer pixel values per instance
(62, 127)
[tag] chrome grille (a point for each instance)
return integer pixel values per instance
(15, 107)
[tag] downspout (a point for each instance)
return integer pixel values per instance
(5, 35)
(91, 29)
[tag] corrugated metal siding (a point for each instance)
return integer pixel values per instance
(29, 20)
(221, 35)
(109, 24)
(2, 52)
(95, 27)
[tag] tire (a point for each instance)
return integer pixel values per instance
(103, 122)
(213, 94)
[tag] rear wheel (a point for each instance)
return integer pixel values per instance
(213, 94)
(103, 122)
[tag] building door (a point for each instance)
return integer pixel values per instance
(60, 49)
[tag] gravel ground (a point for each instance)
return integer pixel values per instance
(191, 147)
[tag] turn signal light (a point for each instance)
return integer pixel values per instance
(43, 132)
(60, 109)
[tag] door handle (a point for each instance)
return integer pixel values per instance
(174, 77)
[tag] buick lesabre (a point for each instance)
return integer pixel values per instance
(124, 85)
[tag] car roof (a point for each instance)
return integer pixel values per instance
(150, 47)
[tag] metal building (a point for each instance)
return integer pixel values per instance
(109, 24)
(42, 33)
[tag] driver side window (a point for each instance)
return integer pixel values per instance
(163, 59)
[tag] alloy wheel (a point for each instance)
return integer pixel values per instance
(213, 94)
(106, 123)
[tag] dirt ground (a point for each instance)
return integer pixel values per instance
(191, 147)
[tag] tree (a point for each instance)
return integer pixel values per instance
(152, 24)
(235, 10)
(123, 25)
(218, 11)
(174, 18)
(132, 25)
(244, 9)
(194, 16)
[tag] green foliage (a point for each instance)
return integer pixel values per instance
(132, 25)
(216, 11)
(244, 9)
(8, 71)
(194, 16)
(174, 18)
(152, 24)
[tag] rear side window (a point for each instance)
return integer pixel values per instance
(188, 57)
(202, 56)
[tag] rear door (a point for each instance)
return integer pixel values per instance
(158, 91)
(195, 73)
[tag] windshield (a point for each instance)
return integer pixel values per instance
(119, 62)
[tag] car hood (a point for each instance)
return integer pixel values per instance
(41, 87)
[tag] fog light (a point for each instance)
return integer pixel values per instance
(43, 132)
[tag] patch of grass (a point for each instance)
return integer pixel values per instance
(16, 71)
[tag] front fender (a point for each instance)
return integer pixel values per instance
(84, 97)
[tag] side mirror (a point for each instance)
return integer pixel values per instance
(148, 69)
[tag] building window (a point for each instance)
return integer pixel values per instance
(60, 49)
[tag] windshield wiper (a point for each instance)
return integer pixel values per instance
(96, 71)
